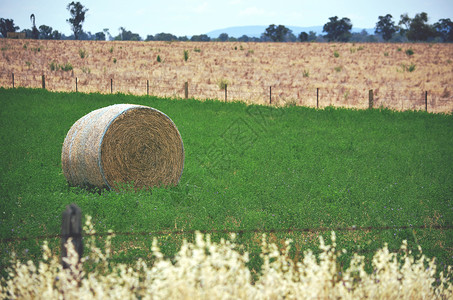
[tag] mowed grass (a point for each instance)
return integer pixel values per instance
(246, 168)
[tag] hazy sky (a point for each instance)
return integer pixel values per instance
(190, 17)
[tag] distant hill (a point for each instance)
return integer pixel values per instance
(256, 31)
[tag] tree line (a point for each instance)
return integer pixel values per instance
(407, 29)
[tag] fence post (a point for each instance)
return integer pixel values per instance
(426, 100)
(147, 87)
(43, 81)
(71, 227)
(186, 90)
(76, 87)
(370, 99)
(111, 85)
(270, 94)
(226, 92)
(317, 97)
(13, 79)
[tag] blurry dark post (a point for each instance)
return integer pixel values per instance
(13, 79)
(111, 85)
(71, 227)
(43, 81)
(226, 92)
(426, 100)
(147, 87)
(270, 95)
(186, 90)
(317, 97)
(370, 99)
(76, 88)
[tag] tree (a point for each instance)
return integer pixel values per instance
(444, 29)
(34, 30)
(303, 36)
(107, 33)
(311, 36)
(419, 30)
(127, 35)
(7, 25)
(404, 21)
(223, 37)
(200, 38)
(290, 37)
(165, 37)
(100, 36)
(86, 36)
(363, 37)
(277, 33)
(56, 35)
(338, 30)
(77, 11)
(386, 27)
(243, 38)
(27, 32)
(47, 33)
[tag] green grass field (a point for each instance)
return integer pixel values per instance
(246, 168)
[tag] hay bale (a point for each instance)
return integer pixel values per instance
(123, 143)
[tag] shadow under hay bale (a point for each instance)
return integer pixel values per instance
(121, 144)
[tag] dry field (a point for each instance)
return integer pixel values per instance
(285, 73)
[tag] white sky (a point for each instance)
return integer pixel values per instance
(190, 17)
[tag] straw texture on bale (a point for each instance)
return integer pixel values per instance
(123, 143)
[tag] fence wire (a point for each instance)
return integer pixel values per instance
(236, 231)
(298, 253)
(273, 94)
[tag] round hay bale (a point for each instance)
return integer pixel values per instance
(123, 143)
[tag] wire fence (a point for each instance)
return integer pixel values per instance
(273, 94)
(238, 232)
(71, 227)
(228, 231)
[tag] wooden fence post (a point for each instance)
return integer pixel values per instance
(370, 99)
(186, 90)
(226, 92)
(426, 100)
(43, 81)
(270, 94)
(317, 97)
(76, 87)
(71, 227)
(147, 87)
(13, 79)
(111, 85)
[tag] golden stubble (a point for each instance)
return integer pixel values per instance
(343, 72)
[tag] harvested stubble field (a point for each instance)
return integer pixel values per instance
(398, 74)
